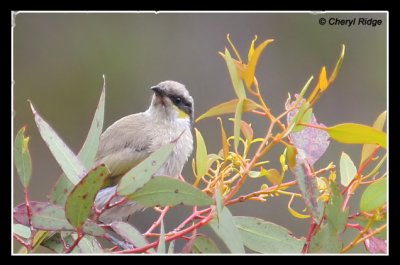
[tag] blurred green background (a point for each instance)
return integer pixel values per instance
(59, 60)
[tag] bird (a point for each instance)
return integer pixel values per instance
(133, 138)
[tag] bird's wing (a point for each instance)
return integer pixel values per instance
(125, 144)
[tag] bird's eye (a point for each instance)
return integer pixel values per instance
(177, 100)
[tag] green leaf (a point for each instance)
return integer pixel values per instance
(22, 230)
(50, 217)
(166, 191)
(87, 153)
(336, 217)
(347, 169)
(304, 89)
(266, 237)
(303, 116)
(138, 176)
(291, 156)
(55, 243)
(130, 234)
(368, 149)
(351, 133)
(272, 175)
(224, 226)
(252, 64)
(201, 156)
(246, 130)
(309, 189)
(229, 107)
(22, 158)
(204, 244)
(171, 247)
(69, 163)
(363, 221)
(236, 123)
(338, 65)
(325, 241)
(374, 196)
(88, 244)
(161, 243)
(79, 203)
(236, 81)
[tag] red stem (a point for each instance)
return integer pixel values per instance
(311, 230)
(158, 222)
(76, 242)
(21, 241)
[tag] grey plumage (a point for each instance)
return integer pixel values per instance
(131, 139)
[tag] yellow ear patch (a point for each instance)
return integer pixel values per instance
(181, 113)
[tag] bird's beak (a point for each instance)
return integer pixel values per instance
(157, 90)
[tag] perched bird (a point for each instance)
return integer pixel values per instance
(131, 139)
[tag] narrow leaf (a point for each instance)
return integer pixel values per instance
(266, 237)
(46, 216)
(323, 81)
(338, 65)
(141, 174)
(130, 234)
(79, 203)
(229, 107)
(347, 169)
(67, 160)
(246, 130)
(204, 244)
(201, 156)
(236, 124)
(251, 49)
(252, 64)
(291, 156)
(368, 149)
(304, 116)
(161, 243)
(374, 196)
(171, 247)
(22, 158)
(166, 191)
(87, 153)
(351, 133)
(224, 226)
(224, 140)
(236, 81)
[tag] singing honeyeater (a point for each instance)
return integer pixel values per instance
(131, 139)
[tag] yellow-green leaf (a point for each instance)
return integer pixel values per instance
(338, 65)
(236, 124)
(229, 107)
(201, 156)
(351, 133)
(224, 140)
(79, 203)
(272, 175)
(368, 149)
(236, 81)
(291, 156)
(295, 213)
(251, 49)
(252, 64)
(323, 81)
(347, 169)
(22, 158)
(374, 196)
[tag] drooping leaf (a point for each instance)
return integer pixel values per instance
(67, 160)
(347, 169)
(374, 196)
(246, 130)
(224, 140)
(294, 212)
(229, 107)
(22, 230)
(368, 149)
(166, 191)
(204, 244)
(236, 81)
(79, 202)
(224, 226)
(352, 133)
(236, 123)
(201, 156)
(130, 234)
(272, 175)
(266, 237)
(310, 142)
(87, 153)
(308, 188)
(138, 176)
(161, 244)
(22, 158)
(325, 241)
(46, 216)
(252, 64)
(376, 245)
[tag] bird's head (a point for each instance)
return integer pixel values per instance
(172, 99)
